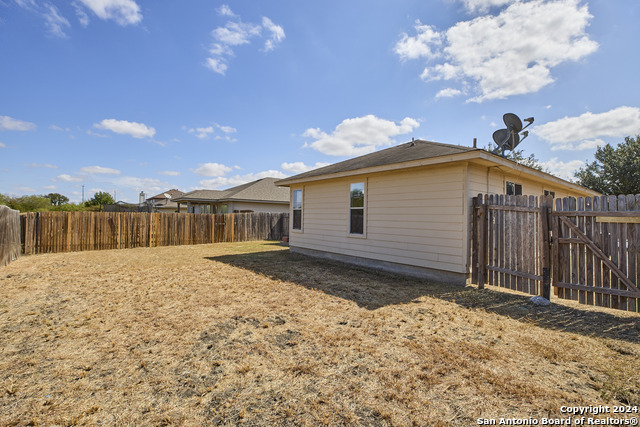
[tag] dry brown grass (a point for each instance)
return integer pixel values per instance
(251, 334)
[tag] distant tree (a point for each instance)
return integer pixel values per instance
(69, 207)
(519, 157)
(614, 170)
(57, 199)
(30, 203)
(4, 200)
(100, 198)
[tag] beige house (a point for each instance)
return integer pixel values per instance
(406, 209)
(261, 195)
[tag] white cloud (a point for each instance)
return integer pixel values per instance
(68, 178)
(8, 123)
(58, 128)
(136, 130)
(421, 45)
(99, 170)
(202, 133)
(169, 173)
(124, 12)
(222, 182)
(205, 132)
(2, 145)
(562, 169)
(448, 93)
(225, 10)
(235, 33)
(217, 65)
(504, 55)
(299, 167)
(277, 34)
(587, 130)
(141, 184)
(360, 135)
(227, 129)
(484, 5)
(54, 22)
(49, 187)
(82, 16)
(213, 169)
(42, 165)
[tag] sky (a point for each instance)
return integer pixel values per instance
(130, 96)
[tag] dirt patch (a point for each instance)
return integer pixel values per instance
(251, 334)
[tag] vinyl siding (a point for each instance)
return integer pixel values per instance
(495, 183)
(412, 217)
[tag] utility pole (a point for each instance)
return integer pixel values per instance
(83, 193)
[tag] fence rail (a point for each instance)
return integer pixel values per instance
(9, 235)
(48, 232)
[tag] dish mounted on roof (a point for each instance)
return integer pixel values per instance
(509, 138)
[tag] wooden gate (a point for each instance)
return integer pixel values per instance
(588, 249)
(510, 245)
(596, 252)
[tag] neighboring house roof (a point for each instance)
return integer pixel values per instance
(420, 153)
(165, 200)
(169, 194)
(263, 190)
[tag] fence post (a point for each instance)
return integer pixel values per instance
(482, 241)
(545, 289)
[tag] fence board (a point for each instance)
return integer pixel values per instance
(10, 235)
(47, 232)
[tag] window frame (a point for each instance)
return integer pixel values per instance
(362, 235)
(549, 193)
(294, 209)
(516, 187)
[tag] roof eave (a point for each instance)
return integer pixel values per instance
(472, 155)
(467, 155)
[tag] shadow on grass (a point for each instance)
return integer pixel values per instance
(372, 290)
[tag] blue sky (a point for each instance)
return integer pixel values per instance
(126, 96)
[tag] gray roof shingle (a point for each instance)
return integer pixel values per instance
(414, 150)
(262, 190)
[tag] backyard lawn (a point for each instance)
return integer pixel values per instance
(249, 333)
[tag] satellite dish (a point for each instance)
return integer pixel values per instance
(500, 136)
(509, 138)
(513, 122)
(514, 140)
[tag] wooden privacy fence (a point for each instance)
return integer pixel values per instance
(587, 249)
(9, 235)
(47, 232)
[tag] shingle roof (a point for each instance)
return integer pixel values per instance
(414, 150)
(173, 193)
(263, 190)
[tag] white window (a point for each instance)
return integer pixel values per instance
(297, 210)
(356, 209)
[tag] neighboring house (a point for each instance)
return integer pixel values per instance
(257, 196)
(164, 202)
(406, 209)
